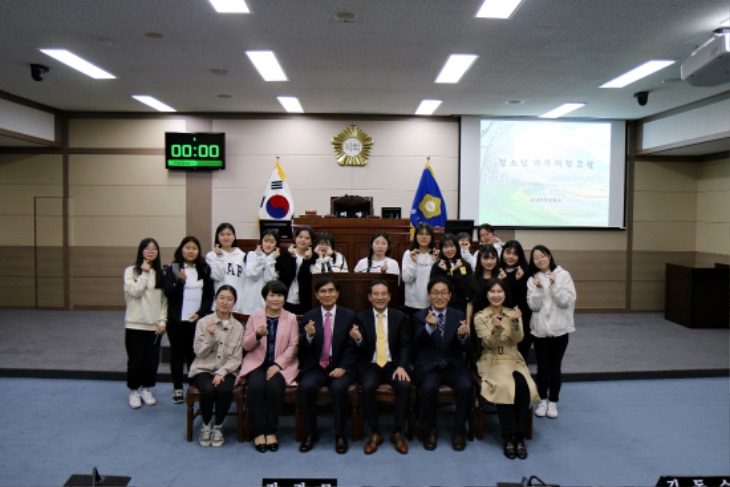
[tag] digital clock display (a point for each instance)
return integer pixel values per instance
(200, 150)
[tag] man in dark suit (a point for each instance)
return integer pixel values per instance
(327, 358)
(382, 339)
(442, 338)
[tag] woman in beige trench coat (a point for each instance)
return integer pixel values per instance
(506, 380)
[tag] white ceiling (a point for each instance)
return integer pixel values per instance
(384, 62)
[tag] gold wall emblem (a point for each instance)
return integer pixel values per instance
(352, 146)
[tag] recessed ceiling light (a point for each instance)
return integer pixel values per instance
(455, 67)
(154, 103)
(230, 6)
(70, 59)
(428, 106)
(225, 96)
(498, 9)
(346, 16)
(515, 102)
(637, 73)
(291, 104)
(267, 65)
(154, 35)
(219, 71)
(562, 110)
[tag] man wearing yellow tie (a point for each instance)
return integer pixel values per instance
(383, 340)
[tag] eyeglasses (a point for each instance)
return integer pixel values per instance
(440, 293)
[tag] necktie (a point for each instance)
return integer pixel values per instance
(324, 359)
(441, 323)
(381, 356)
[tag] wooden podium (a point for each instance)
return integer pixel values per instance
(354, 289)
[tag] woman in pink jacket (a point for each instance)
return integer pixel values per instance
(270, 364)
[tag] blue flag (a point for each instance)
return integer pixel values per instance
(428, 205)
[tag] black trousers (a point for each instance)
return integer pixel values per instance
(549, 352)
(143, 357)
(514, 418)
(264, 399)
(310, 383)
(370, 379)
(181, 335)
(460, 381)
(214, 398)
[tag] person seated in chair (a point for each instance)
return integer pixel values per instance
(327, 358)
(383, 342)
(218, 355)
(441, 336)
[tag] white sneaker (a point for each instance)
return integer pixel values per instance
(135, 402)
(147, 396)
(218, 438)
(552, 409)
(541, 408)
(205, 436)
(178, 397)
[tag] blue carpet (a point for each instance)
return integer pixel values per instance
(608, 433)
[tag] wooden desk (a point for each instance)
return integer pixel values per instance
(697, 297)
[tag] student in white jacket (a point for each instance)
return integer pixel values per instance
(227, 262)
(551, 296)
(416, 268)
(145, 321)
(260, 269)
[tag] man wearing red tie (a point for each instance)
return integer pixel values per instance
(327, 357)
(382, 339)
(441, 336)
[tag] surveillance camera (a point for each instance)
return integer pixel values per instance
(642, 97)
(38, 71)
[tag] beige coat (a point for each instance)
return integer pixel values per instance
(500, 357)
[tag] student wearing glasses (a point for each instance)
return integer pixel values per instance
(551, 296)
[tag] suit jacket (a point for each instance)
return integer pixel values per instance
(399, 338)
(432, 350)
(285, 348)
(343, 354)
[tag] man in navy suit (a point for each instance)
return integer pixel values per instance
(383, 340)
(327, 358)
(442, 338)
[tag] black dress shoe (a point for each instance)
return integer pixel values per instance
(521, 450)
(509, 450)
(308, 443)
(458, 442)
(429, 443)
(273, 446)
(341, 445)
(261, 447)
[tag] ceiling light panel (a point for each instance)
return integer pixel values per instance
(562, 110)
(498, 9)
(72, 60)
(455, 67)
(267, 65)
(291, 104)
(153, 102)
(642, 71)
(230, 6)
(427, 106)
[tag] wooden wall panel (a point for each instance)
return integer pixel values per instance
(98, 292)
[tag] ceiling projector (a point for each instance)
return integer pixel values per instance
(709, 64)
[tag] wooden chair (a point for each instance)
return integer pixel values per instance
(445, 397)
(384, 394)
(193, 396)
(324, 398)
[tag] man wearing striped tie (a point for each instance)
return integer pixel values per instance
(441, 337)
(328, 358)
(382, 340)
